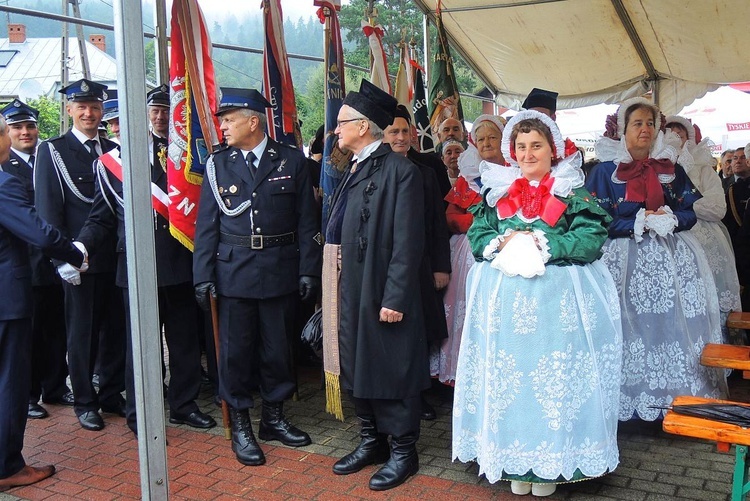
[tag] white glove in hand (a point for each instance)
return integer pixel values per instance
(85, 266)
(68, 273)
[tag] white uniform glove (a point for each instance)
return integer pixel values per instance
(68, 273)
(82, 248)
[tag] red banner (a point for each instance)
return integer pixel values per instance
(193, 129)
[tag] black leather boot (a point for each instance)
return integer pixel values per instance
(373, 449)
(402, 464)
(274, 426)
(245, 447)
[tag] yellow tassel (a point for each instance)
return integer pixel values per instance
(181, 237)
(333, 396)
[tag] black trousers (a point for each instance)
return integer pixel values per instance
(178, 315)
(49, 367)
(15, 380)
(95, 308)
(397, 418)
(255, 349)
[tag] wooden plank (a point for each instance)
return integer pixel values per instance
(739, 320)
(715, 431)
(726, 356)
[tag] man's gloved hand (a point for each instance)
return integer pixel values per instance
(308, 287)
(202, 291)
(85, 266)
(68, 273)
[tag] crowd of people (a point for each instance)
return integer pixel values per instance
(556, 303)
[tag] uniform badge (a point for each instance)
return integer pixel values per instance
(162, 155)
(233, 189)
(271, 151)
(233, 155)
(105, 96)
(283, 163)
(17, 103)
(221, 190)
(227, 202)
(318, 238)
(84, 87)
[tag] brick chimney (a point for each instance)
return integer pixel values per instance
(16, 33)
(100, 41)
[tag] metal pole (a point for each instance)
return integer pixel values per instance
(64, 69)
(160, 43)
(82, 52)
(139, 234)
(427, 51)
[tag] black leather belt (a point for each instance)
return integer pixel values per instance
(258, 242)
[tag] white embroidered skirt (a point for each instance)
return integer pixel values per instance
(538, 376)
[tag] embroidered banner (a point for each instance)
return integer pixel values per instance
(193, 128)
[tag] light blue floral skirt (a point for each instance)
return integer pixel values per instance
(538, 379)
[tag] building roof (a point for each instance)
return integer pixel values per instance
(34, 68)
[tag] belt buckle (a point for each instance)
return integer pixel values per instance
(256, 242)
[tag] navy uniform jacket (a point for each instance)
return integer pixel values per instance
(280, 201)
(20, 225)
(58, 203)
(43, 273)
(173, 260)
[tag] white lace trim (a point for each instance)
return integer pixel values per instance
(661, 224)
(468, 166)
(496, 179)
(493, 247)
(543, 244)
(525, 115)
(685, 123)
(665, 146)
(640, 225)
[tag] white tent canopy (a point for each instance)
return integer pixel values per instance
(601, 51)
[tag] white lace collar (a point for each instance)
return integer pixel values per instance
(666, 146)
(496, 179)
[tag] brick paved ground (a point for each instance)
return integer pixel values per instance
(103, 466)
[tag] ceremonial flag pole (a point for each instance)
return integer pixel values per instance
(278, 89)
(334, 160)
(444, 99)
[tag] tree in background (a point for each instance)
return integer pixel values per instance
(400, 18)
(48, 122)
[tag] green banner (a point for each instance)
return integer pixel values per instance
(444, 101)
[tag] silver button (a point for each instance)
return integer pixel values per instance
(254, 194)
(282, 188)
(255, 212)
(257, 230)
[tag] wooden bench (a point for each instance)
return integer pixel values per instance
(725, 435)
(727, 356)
(739, 320)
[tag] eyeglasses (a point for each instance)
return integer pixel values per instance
(339, 123)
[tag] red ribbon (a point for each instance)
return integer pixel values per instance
(369, 30)
(643, 182)
(532, 201)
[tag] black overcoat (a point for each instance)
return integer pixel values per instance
(382, 239)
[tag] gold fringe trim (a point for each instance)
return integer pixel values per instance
(333, 396)
(181, 237)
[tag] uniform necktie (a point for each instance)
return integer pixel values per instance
(91, 145)
(32, 159)
(250, 159)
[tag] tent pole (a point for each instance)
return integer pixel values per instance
(141, 256)
(160, 44)
(426, 45)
